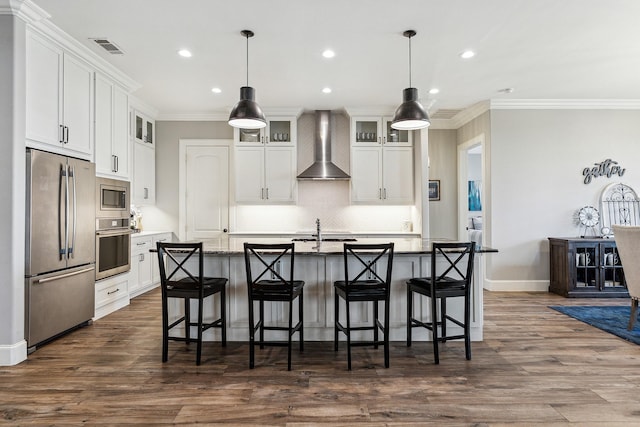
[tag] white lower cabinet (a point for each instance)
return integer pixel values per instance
(140, 265)
(145, 273)
(112, 294)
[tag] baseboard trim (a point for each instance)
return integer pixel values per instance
(13, 354)
(516, 285)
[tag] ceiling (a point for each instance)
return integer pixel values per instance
(542, 49)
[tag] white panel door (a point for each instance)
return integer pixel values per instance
(121, 139)
(105, 163)
(78, 104)
(207, 191)
(43, 83)
(249, 174)
(280, 174)
(398, 175)
(366, 174)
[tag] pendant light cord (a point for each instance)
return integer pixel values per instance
(410, 61)
(248, 58)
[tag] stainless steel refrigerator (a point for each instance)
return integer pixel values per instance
(60, 245)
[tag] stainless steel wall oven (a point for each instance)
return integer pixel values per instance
(113, 234)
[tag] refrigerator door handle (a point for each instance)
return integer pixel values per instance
(72, 174)
(64, 187)
(63, 276)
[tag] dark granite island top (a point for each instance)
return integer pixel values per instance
(408, 246)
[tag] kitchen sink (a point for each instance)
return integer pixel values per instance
(326, 239)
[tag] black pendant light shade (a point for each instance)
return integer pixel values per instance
(247, 114)
(410, 115)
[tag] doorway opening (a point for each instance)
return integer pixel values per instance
(471, 191)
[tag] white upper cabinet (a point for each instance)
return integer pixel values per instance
(144, 175)
(265, 162)
(111, 129)
(376, 130)
(381, 162)
(280, 131)
(144, 128)
(59, 101)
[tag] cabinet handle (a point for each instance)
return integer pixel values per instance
(117, 164)
(267, 193)
(384, 190)
(113, 292)
(141, 257)
(146, 193)
(379, 140)
(66, 137)
(379, 193)
(61, 134)
(262, 193)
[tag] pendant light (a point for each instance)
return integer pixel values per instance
(410, 115)
(247, 114)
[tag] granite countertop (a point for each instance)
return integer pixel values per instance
(409, 245)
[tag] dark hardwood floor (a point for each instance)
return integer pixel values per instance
(535, 366)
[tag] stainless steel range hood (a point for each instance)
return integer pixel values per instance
(322, 167)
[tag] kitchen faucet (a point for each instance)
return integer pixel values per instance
(318, 234)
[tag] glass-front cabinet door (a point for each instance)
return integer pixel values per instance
(279, 131)
(375, 130)
(395, 136)
(366, 131)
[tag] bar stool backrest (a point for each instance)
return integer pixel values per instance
(367, 256)
(267, 271)
(174, 269)
(452, 262)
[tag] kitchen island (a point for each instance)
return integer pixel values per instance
(319, 264)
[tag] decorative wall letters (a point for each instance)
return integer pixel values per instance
(606, 168)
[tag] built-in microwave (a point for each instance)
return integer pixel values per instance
(112, 198)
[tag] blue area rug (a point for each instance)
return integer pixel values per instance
(612, 319)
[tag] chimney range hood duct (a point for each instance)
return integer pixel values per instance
(322, 167)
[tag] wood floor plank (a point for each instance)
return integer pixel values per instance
(535, 367)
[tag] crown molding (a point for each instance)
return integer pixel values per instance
(565, 104)
(462, 118)
(219, 116)
(370, 111)
(37, 20)
(143, 107)
(23, 9)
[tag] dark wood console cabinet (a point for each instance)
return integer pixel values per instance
(585, 268)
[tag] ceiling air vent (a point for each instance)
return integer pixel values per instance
(108, 46)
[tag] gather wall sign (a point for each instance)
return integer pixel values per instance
(606, 168)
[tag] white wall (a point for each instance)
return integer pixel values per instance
(537, 158)
(443, 214)
(12, 176)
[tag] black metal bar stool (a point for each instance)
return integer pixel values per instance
(449, 279)
(178, 282)
(363, 283)
(268, 281)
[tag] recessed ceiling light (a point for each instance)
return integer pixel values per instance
(328, 53)
(467, 54)
(216, 90)
(184, 53)
(326, 90)
(434, 91)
